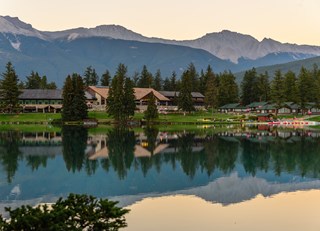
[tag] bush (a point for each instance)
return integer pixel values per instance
(77, 212)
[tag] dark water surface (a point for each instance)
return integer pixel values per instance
(214, 179)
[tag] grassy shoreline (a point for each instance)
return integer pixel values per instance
(103, 118)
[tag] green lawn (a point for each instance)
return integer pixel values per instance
(102, 117)
(29, 117)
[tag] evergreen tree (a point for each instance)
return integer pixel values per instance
(9, 89)
(146, 78)
(173, 82)
(35, 81)
(290, 87)
(228, 89)
(264, 87)
(277, 89)
(91, 78)
(194, 77)
(67, 91)
(306, 87)
(135, 78)
(203, 80)
(185, 102)
(212, 91)
(166, 84)
(129, 98)
(152, 110)
(157, 83)
(121, 100)
(316, 78)
(79, 101)
(105, 79)
(249, 90)
(74, 100)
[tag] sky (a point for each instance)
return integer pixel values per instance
(293, 21)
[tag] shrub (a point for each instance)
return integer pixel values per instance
(77, 212)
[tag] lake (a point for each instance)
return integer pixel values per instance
(218, 178)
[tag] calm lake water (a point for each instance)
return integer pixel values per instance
(217, 178)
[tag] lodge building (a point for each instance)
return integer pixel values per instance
(50, 100)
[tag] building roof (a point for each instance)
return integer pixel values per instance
(230, 106)
(49, 94)
(140, 93)
(257, 104)
(265, 115)
(41, 94)
(171, 94)
(268, 107)
(102, 91)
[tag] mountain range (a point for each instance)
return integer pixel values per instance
(57, 54)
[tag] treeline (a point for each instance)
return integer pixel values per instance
(218, 89)
(284, 87)
(222, 88)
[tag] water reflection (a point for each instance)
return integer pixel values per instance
(121, 149)
(121, 162)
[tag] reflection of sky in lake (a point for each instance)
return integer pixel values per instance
(285, 211)
(222, 170)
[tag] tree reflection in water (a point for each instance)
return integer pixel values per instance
(10, 153)
(120, 145)
(124, 150)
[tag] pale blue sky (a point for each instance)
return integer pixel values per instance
(294, 21)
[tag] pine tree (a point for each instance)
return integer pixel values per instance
(290, 87)
(129, 98)
(35, 81)
(74, 100)
(79, 100)
(263, 87)
(194, 77)
(277, 89)
(9, 89)
(91, 78)
(185, 102)
(157, 83)
(105, 79)
(166, 84)
(152, 110)
(173, 82)
(306, 87)
(211, 91)
(67, 96)
(249, 90)
(203, 80)
(228, 88)
(121, 99)
(146, 78)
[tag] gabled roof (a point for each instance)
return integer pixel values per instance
(102, 91)
(140, 93)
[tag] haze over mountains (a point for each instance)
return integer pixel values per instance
(57, 54)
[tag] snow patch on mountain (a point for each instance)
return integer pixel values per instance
(16, 45)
